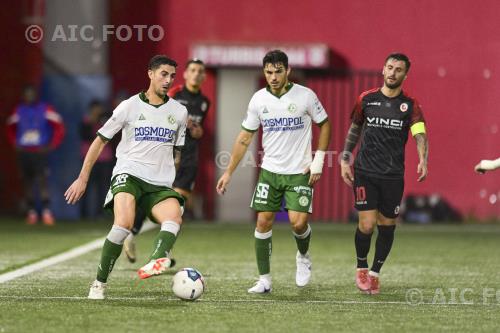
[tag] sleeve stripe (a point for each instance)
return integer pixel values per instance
(323, 121)
(103, 137)
(249, 130)
(418, 128)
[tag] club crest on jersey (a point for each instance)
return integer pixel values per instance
(403, 107)
(204, 106)
(292, 107)
(171, 119)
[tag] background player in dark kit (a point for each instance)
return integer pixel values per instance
(382, 118)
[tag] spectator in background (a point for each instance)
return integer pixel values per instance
(101, 173)
(35, 129)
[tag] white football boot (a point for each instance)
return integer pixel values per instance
(154, 267)
(262, 286)
(97, 290)
(304, 266)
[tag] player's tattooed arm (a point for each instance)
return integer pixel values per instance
(351, 141)
(239, 149)
(177, 157)
(423, 154)
(245, 140)
(422, 146)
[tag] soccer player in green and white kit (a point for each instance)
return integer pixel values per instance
(153, 128)
(285, 111)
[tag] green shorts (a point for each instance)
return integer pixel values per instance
(146, 195)
(271, 187)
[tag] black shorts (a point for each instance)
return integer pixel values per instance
(33, 165)
(185, 177)
(383, 195)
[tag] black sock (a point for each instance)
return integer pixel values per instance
(383, 245)
(138, 222)
(362, 242)
(30, 204)
(46, 203)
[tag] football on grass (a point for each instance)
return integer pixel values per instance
(188, 284)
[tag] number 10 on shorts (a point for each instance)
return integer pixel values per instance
(360, 195)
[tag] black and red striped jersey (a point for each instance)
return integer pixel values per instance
(386, 122)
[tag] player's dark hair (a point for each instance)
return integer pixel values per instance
(195, 61)
(400, 57)
(275, 57)
(159, 60)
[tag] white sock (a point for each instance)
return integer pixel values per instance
(263, 235)
(266, 277)
(305, 234)
(372, 273)
(170, 226)
(117, 234)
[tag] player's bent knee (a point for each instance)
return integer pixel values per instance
(367, 226)
(123, 224)
(382, 220)
(298, 220)
(264, 222)
(264, 226)
(168, 210)
(299, 227)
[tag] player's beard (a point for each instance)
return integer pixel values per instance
(394, 85)
(161, 92)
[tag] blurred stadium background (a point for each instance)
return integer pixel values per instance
(337, 48)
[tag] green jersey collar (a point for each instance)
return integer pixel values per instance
(142, 96)
(287, 89)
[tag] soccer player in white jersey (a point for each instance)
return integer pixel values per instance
(285, 110)
(153, 127)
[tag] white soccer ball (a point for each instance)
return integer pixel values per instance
(188, 284)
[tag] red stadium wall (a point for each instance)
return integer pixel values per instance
(453, 46)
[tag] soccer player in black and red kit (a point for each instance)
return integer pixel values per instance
(197, 105)
(382, 118)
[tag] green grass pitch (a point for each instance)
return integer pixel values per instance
(451, 270)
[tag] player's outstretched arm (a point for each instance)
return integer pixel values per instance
(423, 153)
(350, 143)
(76, 190)
(316, 167)
(239, 149)
(487, 165)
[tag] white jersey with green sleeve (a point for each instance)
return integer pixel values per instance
(149, 134)
(286, 125)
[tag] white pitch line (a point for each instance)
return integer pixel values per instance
(70, 254)
(164, 299)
